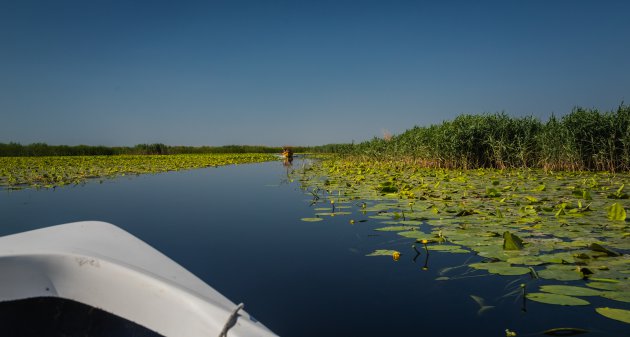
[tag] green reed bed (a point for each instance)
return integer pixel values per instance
(584, 139)
(48, 172)
(45, 150)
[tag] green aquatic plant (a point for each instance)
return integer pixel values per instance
(569, 290)
(552, 227)
(616, 212)
(619, 194)
(550, 298)
(312, 219)
(383, 252)
(512, 242)
(49, 172)
(616, 314)
(500, 268)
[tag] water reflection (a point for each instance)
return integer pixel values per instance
(426, 257)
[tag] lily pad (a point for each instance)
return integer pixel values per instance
(501, 268)
(557, 258)
(556, 299)
(616, 314)
(394, 228)
(599, 248)
(512, 242)
(380, 217)
(333, 213)
(418, 235)
(383, 252)
(526, 260)
(510, 270)
(491, 251)
(616, 212)
(447, 248)
(312, 219)
(411, 222)
(603, 285)
(622, 296)
(560, 272)
(570, 290)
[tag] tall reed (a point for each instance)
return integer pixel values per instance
(584, 139)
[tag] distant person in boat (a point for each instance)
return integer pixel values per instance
(287, 154)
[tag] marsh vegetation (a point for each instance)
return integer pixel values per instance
(48, 172)
(564, 233)
(45, 150)
(584, 139)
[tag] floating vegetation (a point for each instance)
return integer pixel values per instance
(49, 172)
(500, 268)
(617, 314)
(556, 299)
(616, 212)
(570, 290)
(384, 252)
(512, 242)
(312, 219)
(567, 230)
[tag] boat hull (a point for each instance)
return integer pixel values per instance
(101, 265)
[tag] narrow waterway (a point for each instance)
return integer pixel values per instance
(238, 228)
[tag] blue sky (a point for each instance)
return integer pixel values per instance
(297, 72)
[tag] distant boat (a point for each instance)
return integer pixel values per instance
(102, 266)
(287, 153)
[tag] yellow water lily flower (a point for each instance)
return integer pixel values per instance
(396, 256)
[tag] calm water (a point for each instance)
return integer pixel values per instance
(238, 228)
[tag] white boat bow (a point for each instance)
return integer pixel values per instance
(101, 265)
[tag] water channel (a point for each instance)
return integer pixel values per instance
(238, 228)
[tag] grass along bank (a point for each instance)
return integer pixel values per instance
(45, 150)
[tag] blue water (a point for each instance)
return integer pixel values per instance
(238, 228)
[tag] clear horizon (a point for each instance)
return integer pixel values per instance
(194, 73)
